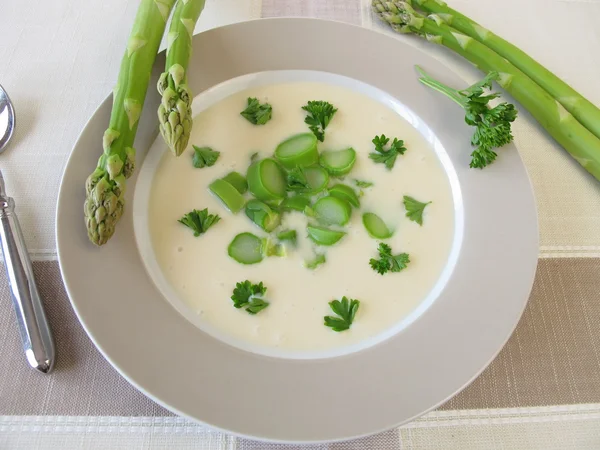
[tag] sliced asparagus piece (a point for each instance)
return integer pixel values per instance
(238, 181)
(324, 236)
(299, 150)
(296, 203)
(175, 110)
(262, 215)
(315, 262)
(376, 227)
(317, 179)
(105, 187)
(338, 162)
(344, 192)
(228, 194)
(247, 248)
(332, 211)
(266, 181)
(288, 235)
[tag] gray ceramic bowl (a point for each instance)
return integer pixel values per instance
(408, 374)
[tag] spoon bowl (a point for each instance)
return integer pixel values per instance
(7, 119)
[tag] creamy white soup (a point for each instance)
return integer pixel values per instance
(204, 276)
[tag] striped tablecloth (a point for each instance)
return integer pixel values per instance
(59, 59)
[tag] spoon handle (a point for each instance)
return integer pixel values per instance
(33, 326)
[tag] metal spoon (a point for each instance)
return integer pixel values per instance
(33, 326)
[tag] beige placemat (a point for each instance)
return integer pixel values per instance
(552, 358)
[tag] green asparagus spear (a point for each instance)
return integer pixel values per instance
(175, 110)
(105, 187)
(581, 108)
(556, 120)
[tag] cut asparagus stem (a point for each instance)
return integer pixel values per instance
(275, 249)
(315, 262)
(332, 211)
(296, 203)
(229, 195)
(298, 150)
(238, 181)
(287, 235)
(338, 162)
(266, 181)
(376, 227)
(324, 236)
(317, 179)
(247, 248)
(344, 192)
(262, 215)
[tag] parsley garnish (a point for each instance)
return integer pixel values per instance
(387, 156)
(414, 209)
(296, 179)
(246, 294)
(387, 261)
(199, 221)
(256, 113)
(363, 184)
(319, 115)
(492, 125)
(204, 157)
(346, 310)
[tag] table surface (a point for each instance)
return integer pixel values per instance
(59, 60)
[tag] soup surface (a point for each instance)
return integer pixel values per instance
(203, 275)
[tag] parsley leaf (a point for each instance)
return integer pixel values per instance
(199, 221)
(245, 295)
(346, 310)
(492, 125)
(386, 156)
(256, 305)
(204, 157)
(363, 184)
(387, 261)
(256, 113)
(319, 115)
(296, 179)
(414, 209)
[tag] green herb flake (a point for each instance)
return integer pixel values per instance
(386, 156)
(256, 113)
(296, 179)
(363, 184)
(248, 295)
(199, 221)
(204, 157)
(414, 209)
(319, 115)
(388, 262)
(346, 310)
